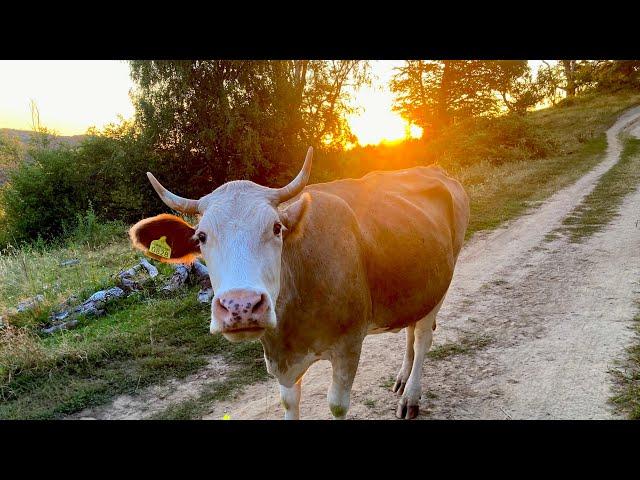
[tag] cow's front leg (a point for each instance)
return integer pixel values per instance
(344, 366)
(290, 398)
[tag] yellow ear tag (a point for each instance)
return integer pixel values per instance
(226, 417)
(159, 247)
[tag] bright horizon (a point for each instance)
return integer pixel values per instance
(73, 95)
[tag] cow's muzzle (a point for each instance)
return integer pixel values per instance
(240, 314)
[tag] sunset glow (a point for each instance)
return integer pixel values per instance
(71, 95)
(75, 95)
(376, 122)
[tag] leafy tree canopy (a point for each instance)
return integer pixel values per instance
(219, 120)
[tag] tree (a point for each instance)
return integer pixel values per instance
(219, 120)
(569, 68)
(514, 83)
(436, 94)
(549, 82)
(616, 74)
(11, 153)
(567, 78)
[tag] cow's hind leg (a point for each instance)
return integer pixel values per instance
(423, 336)
(344, 366)
(290, 398)
(405, 369)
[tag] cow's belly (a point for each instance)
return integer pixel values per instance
(374, 330)
(410, 267)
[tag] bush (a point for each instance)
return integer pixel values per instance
(88, 230)
(41, 196)
(75, 190)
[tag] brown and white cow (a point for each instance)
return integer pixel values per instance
(311, 270)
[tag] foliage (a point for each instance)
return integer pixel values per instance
(11, 152)
(105, 174)
(438, 94)
(566, 79)
(89, 230)
(215, 121)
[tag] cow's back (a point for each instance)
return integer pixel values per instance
(412, 224)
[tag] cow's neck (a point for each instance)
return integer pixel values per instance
(286, 348)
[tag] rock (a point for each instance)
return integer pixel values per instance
(73, 261)
(61, 326)
(102, 297)
(29, 303)
(153, 271)
(60, 315)
(205, 295)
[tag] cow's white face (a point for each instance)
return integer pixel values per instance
(240, 236)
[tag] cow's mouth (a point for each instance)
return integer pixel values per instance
(242, 334)
(248, 329)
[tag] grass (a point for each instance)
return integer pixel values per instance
(626, 397)
(146, 338)
(388, 382)
(601, 205)
(466, 345)
(576, 135)
(134, 347)
(29, 271)
(248, 363)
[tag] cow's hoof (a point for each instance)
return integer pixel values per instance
(407, 412)
(398, 387)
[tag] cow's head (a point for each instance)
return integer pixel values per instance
(240, 235)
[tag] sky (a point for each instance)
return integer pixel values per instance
(74, 95)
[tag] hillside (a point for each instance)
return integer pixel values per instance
(24, 139)
(25, 136)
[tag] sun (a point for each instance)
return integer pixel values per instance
(376, 122)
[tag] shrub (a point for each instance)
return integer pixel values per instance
(89, 230)
(41, 196)
(76, 190)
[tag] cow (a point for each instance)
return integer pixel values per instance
(310, 270)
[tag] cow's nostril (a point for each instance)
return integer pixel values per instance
(258, 305)
(221, 304)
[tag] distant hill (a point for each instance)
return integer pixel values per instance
(24, 138)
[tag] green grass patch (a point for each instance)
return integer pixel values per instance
(600, 207)
(369, 403)
(503, 192)
(626, 397)
(142, 345)
(249, 368)
(465, 346)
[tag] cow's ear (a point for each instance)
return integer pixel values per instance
(178, 236)
(293, 215)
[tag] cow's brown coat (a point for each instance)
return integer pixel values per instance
(372, 253)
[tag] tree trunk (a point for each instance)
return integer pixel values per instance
(570, 75)
(443, 113)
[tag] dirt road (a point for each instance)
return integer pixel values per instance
(556, 315)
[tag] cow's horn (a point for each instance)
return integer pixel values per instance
(295, 187)
(181, 204)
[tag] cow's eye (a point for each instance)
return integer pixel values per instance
(277, 228)
(202, 237)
